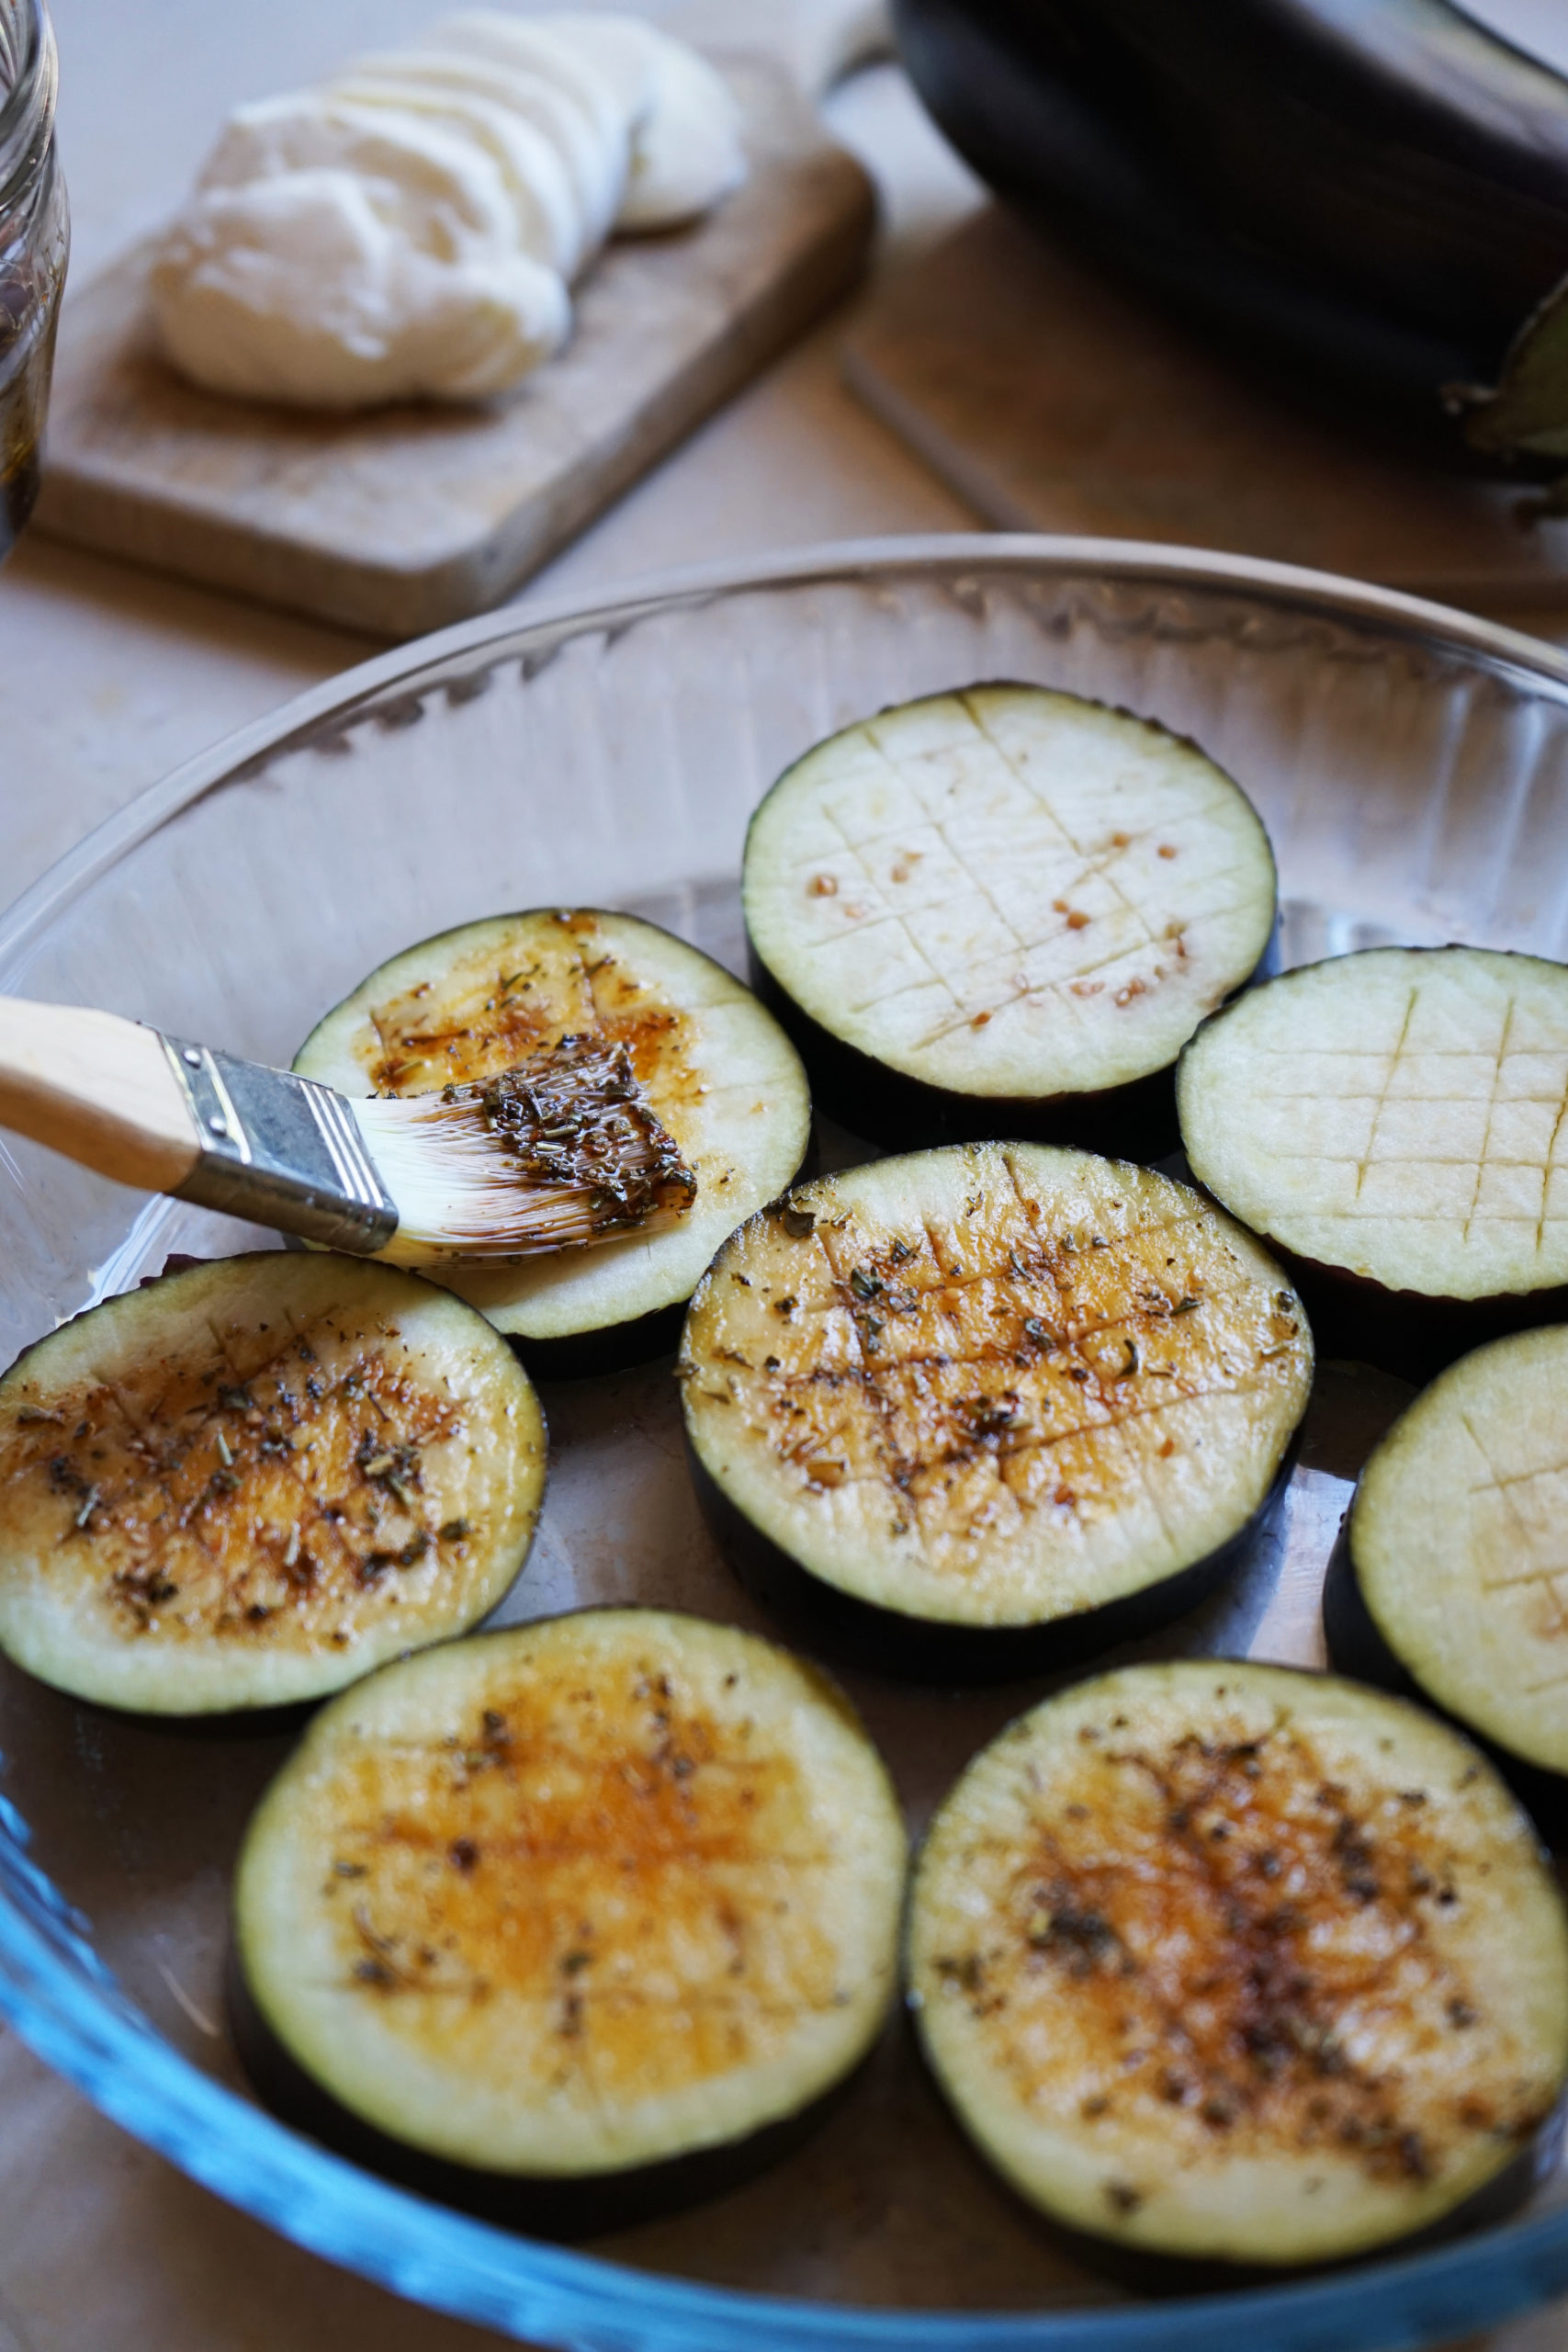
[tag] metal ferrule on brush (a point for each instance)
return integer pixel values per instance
(279, 1150)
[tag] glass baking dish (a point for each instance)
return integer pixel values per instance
(1411, 766)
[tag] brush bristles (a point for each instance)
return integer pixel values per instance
(563, 1150)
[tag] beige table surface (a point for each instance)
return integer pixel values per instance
(108, 677)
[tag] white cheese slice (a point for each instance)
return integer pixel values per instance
(299, 289)
(686, 150)
(550, 225)
(593, 162)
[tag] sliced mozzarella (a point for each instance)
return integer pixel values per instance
(717, 1070)
(1455, 1544)
(578, 1898)
(298, 289)
(526, 45)
(622, 51)
(249, 1483)
(593, 163)
(996, 1386)
(1396, 1114)
(433, 184)
(1219, 1960)
(549, 222)
(687, 149)
(1008, 892)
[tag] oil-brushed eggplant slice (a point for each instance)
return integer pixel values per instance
(717, 1070)
(1451, 1574)
(1393, 1120)
(244, 1484)
(1004, 912)
(986, 1409)
(1234, 1964)
(575, 1920)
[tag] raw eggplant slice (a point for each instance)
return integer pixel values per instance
(1451, 1574)
(990, 1408)
(717, 1070)
(1393, 1120)
(1236, 1964)
(575, 1920)
(244, 1484)
(1004, 912)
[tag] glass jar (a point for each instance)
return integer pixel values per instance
(34, 238)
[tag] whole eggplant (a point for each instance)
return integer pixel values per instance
(1371, 195)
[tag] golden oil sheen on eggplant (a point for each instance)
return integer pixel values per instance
(986, 1408)
(1241, 1963)
(571, 1906)
(248, 1482)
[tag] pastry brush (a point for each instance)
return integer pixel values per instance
(563, 1149)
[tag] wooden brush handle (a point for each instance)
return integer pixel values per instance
(98, 1089)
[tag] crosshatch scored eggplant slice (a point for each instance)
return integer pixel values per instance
(245, 1483)
(1394, 1120)
(1235, 1963)
(1450, 1571)
(718, 1071)
(1004, 912)
(978, 1409)
(580, 1904)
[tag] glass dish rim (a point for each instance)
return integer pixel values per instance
(491, 2276)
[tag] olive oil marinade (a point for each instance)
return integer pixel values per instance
(27, 355)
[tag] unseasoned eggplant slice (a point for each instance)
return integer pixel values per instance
(981, 1410)
(1004, 912)
(246, 1484)
(1393, 1120)
(717, 1071)
(1450, 1571)
(576, 1919)
(1230, 1963)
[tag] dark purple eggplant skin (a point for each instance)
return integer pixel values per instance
(1371, 195)
(1153, 2274)
(839, 1626)
(565, 2207)
(1358, 1647)
(1409, 1332)
(614, 1347)
(886, 1106)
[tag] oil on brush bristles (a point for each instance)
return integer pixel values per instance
(562, 1150)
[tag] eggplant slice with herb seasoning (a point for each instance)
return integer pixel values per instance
(1393, 1121)
(1447, 1579)
(982, 1411)
(1234, 1965)
(243, 1485)
(1004, 912)
(574, 1921)
(717, 1072)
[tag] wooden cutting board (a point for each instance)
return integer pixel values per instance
(1052, 399)
(404, 518)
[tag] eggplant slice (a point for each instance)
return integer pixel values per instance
(1232, 1963)
(1393, 1120)
(1451, 1575)
(981, 1410)
(717, 1070)
(576, 1919)
(1004, 912)
(244, 1484)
